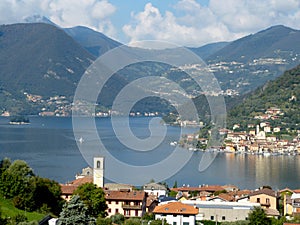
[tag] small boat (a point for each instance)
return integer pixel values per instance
(174, 143)
(80, 140)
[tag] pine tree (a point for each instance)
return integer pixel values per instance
(75, 212)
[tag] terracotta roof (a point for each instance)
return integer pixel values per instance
(73, 185)
(226, 197)
(265, 191)
(176, 208)
(68, 189)
(125, 195)
(297, 191)
(83, 180)
(151, 199)
(272, 212)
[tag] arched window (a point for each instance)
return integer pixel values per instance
(98, 164)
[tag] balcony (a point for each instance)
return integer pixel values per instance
(128, 206)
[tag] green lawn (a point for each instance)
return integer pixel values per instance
(8, 210)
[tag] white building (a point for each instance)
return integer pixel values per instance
(176, 213)
(222, 211)
(155, 189)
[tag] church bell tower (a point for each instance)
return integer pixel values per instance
(98, 172)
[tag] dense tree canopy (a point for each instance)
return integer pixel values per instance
(75, 212)
(94, 198)
(258, 217)
(28, 191)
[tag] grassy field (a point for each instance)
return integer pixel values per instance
(8, 210)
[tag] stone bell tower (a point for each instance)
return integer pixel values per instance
(98, 177)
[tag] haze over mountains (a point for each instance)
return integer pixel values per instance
(40, 61)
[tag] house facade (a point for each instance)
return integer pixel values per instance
(155, 189)
(268, 199)
(126, 202)
(176, 213)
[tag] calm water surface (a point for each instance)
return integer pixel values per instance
(49, 147)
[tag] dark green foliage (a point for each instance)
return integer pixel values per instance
(219, 192)
(103, 221)
(75, 212)
(94, 198)
(117, 218)
(148, 216)
(132, 221)
(175, 184)
(29, 192)
(158, 222)
(283, 93)
(209, 222)
(258, 217)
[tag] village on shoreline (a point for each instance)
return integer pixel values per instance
(186, 204)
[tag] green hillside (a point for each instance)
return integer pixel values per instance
(282, 93)
(7, 209)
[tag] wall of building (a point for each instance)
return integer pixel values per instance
(177, 219)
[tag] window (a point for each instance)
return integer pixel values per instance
(117, 211)
(212, 217)
(136, 212)
(109, 202)
(185, 223)
(268, 201)
(109, 210)
(258, 200)
(223, 217)
(98, 164)
(117, 202)
(174, 223)
(127, 212)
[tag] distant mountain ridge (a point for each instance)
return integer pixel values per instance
(94, 42)
(265, 43)
(282, 93)
(39, 59)
(43, 59)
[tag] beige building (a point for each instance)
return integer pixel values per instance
(126, 202)
(268, 199)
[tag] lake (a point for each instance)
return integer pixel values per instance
(49, 146)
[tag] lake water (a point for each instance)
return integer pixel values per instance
(48, 145)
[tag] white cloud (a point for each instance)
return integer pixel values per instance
(66, 13)
(191, 24)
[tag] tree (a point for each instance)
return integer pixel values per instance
(258, 217)
(75, 212)
(103, 221)
(175, 184)
(117, 218)
(94, 198)
(47, 195)
(15, 179)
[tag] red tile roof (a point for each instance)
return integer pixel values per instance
(176, 208)
(67, 189)
(83, 180)
(125, 195)
(265, 191)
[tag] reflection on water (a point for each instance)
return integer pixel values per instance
(49, 146)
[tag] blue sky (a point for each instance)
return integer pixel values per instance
(184, 22)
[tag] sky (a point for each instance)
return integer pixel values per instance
(191, 23)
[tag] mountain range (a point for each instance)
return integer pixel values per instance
(44, 61)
